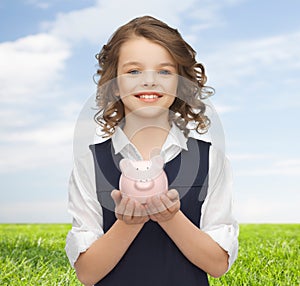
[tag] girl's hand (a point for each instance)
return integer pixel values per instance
(128, 210)
(164, 207)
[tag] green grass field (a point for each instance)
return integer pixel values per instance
(34, 255)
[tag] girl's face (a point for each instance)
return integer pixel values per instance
(147, 77)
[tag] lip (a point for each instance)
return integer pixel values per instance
(148, 93)
(148, 96)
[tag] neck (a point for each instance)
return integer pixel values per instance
(147, 134)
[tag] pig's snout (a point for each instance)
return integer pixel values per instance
(144, 185)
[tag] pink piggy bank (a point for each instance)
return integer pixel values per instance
(143, 179)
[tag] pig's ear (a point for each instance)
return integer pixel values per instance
(157, 161)
(125, 165)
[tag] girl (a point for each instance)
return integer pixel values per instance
(149, 97)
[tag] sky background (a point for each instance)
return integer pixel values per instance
(47, 60)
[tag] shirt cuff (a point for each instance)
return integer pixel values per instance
(78, 242)
(227, 237)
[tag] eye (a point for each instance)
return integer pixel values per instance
(137, 169)
(164, 72)
(134, 72)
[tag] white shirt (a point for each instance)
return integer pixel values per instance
(216, 213)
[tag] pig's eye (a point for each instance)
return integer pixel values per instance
(147, 168)
(137, 169)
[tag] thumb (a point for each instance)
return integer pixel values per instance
(116, 196)
(173, 195)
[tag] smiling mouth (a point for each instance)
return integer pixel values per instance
(148, 96)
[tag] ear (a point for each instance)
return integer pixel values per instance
(125, 164)
(158, 161)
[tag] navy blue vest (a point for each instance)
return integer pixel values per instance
(153, 259)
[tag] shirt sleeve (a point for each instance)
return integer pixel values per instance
(217, 218)
(86, 211)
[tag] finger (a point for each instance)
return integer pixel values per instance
(173, 195)
(171, 206)
(144, 211)
(158, 211)
(116, 196)
(120, 208)
(159, 205)
(170, 198)
(129, 210)
(140, 213)
(137, 209)
(166, 201)
(151, 207)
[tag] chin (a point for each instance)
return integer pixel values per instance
(151, 112)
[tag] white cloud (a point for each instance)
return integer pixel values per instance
(13, 118)
(288, 163)
(32, 64)
(247, 156)
(259, 210)
(207, 15)
(35, 212)
(31, 69)
(31, 139)
(45, 146)
(254, 59)
(95, 24)
(70, 110)
(223, 108)
(30, 156)
(53, 133)
(41, 4)
(286, 167)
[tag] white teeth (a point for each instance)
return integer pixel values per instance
(148, 96)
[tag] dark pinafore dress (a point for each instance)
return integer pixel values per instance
(153, 259)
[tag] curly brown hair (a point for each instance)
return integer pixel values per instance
(186, 108)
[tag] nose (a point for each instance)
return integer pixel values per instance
(149, 79)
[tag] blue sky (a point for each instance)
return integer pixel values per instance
(251, 53)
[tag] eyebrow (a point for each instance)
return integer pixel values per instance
(131, 64)
(134, 63)
(167, 64)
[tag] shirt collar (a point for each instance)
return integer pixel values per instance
(119, 140)
(175, 137)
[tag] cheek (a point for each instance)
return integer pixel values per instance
(170, 86)
(171, 99)
(127, 84)
(126, 100)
